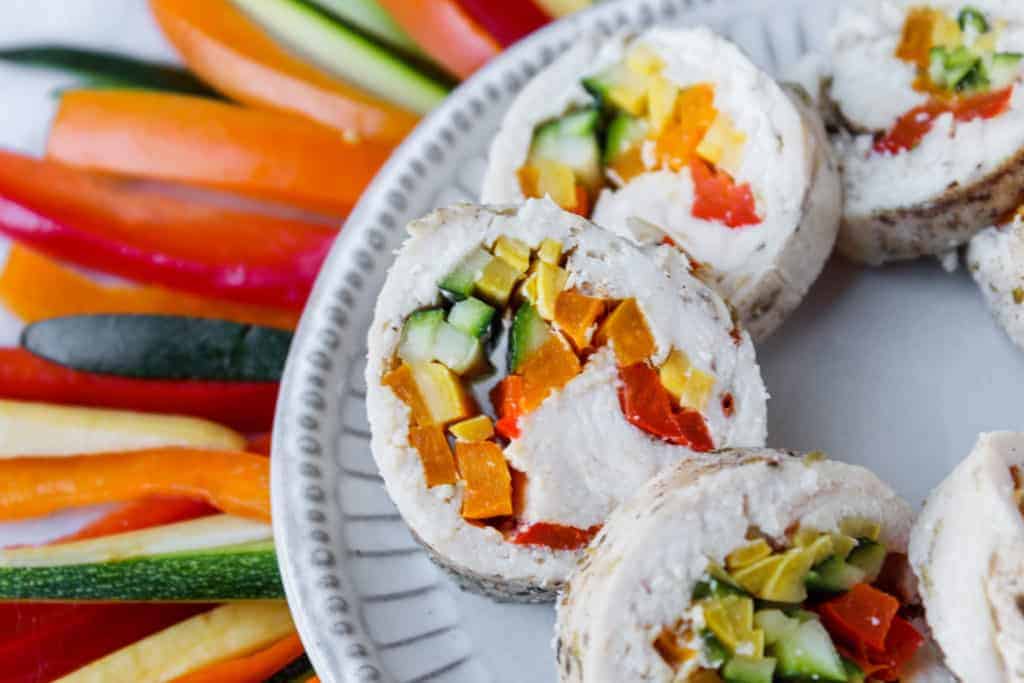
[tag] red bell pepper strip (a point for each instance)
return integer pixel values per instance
(104, 224)
(862, 615)
(245, 406)
(718, 197)
(446, 32)
(507, 398)
(647, 405)
(40, 642)
(509, 22)
(901, 644)
(911, 128)
(142, 514)
(555, 536)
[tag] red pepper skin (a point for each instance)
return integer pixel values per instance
(911, 128)
(647, 405)
(142, 514)
(40, 642)
(717, 197)
(107, 225)
(246, 406)
(555, 536)
(510, 21)
(507, 398)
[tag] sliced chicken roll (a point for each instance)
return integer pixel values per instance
(528, 371)
(751, 567)
(995, 258)
(676, 136)
(967, 549)
(931, 115)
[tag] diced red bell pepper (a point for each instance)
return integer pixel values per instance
(717, 197)
(861, 615)
(901, 644)
(142, 514)
(105, 224)
(911, 128)
(40, 642)
(507, 398)
(508, 21)
(246, 406)
(555, 536)
(647, 404)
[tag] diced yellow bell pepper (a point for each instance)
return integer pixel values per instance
(479, 428)
(861, 527)
(547, 178)
(723, 145)
(698, 390)
(821, 549)
(435, 454)
(690, 387)
(662, 96)
(529, 288)
(514, 252)
(787, 584)
(488, 490)
(946, 31)
(547, 369)
(644, 61)
(496, 281)
(550, 251)
(550, 282)
(575, 315)
(731, 619)
(401, 381)
(626, 329)
(748, 554)
(838, 544)
(754, 577)
(445, 398)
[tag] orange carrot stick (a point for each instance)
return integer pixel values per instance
(35, 288)
(253, 668)
(231, 52)
(237, 483)
(264, 154)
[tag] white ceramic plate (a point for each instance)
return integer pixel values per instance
(896, 369)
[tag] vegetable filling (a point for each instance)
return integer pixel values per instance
(524, 296)
(959, 66)
(640, 122)
(815, 609)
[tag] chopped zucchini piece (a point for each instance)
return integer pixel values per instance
(714, 651)
(1003, 69)
(496, 281)
(619, 87)
(514, 252)
(861, 527)
(775, 624)
(869, 557)
(550, 251)
(458, 284)
(624, 133)
(472, 316)
(745, 669)
(529, 332)
(972, 18)
(854, 674)
(460, 352)
(418, 335)
(808, 653)
(571, 140)
(834, 575)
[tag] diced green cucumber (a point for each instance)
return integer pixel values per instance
(834, 575)
(460, 352)
(109, 69)
(529, 332)
(957, 66)
(624, 133)
(458, 284)
(618, 77)
(743, 669)
(472, 316)
(572, 140)
(161, 347)
(418, 335)
(808, 653)
(869, 557)
(854, 674)
(972, 18)
(715, 652)
(775, 624)
(348, 53)
(369, 17)
(1003, 69)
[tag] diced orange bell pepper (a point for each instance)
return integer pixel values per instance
(488, 481)
(435, 454)
(252, 668)
(507, 399)
(402, 382)
(230, 51)
(548, 369)
(236, 483)
(269, 155)
(916, 41)
(695, 113)
(446, 32)
(35, 288)
(576, 314)
(862, 615)
(582, 205)
(626, 329)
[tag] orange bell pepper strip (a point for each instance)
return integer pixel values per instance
(264, 154)
(141, 514)
(234, 482)
(253, 668)
(35, 288)
(446, 31)
(231, 52)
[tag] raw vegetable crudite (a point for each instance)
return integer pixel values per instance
(929, 123)
(674, 135)
(528, 370)
(754, 567)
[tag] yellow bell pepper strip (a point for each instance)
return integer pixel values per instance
(446, 32)
(264, 154)
(235, 482)
(35, 288)
(104, 224)
(229, 50)
(254, 668)
(508, 22)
